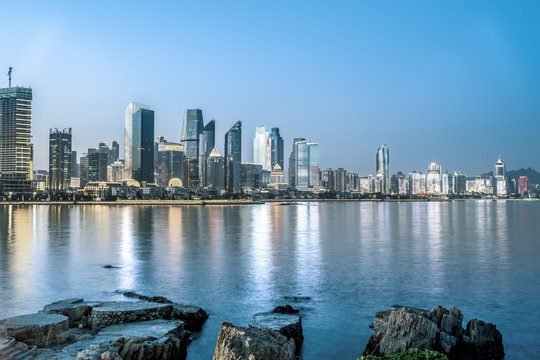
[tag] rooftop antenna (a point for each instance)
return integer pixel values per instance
(9, 74)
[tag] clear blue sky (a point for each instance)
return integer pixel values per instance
(455, 82)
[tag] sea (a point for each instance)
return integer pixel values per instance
(338, 262)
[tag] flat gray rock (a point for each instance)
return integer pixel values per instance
(32, 320)
(36, 329)
(123, 306)
(286, 324)
(154, 328)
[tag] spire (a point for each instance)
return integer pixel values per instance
(214, 153)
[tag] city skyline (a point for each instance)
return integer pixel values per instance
(435, 83)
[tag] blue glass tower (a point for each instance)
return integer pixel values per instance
(233, 156)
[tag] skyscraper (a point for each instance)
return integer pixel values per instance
(170, 162)
(15, 136)
(207, 141)
(93, 168)
(262, 148)
(233, 158)
(292, 163)
(383, 168)
(433, 179)
(499, 173)
(74, 165)
(276, 148)
(215, 172)
(59, 159)
(115, 151)
(305, 164)
(191, 131)
(523, 184)
(139, 143)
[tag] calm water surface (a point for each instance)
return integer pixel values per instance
(351, 259)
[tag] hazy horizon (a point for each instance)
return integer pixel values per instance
(452, 83)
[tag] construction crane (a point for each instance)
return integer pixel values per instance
(9, 74)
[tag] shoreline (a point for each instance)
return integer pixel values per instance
(228, 202)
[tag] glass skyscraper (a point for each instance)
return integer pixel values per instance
(139, 143)
(261, 148)
(15, 135)
(383, 168)
(60, 159)
(207, 141)
(304, 164)
(233, 158)
(276, 144)
(192, 128)
(170, 162)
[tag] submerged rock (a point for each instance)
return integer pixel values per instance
(401, 328)
(235, 342)
(287, 309)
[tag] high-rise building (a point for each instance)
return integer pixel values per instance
(328, 179)
(305, 164)
(251, 176)
(233, 156)
(75, 171)
(16, 168)
(341, 180)
(499, 173)
(433, 179)
(523, 184)
(445, 183)
(207, 141)
(383, 168)
(114, 154)
(170, 162)
(192, 128)
(262, 148)
(93, 168)
(276, 148)
(215, 172)
(115, 172)
(398, 184)
(139, 143)
(415, 183)
(460, 183)
(59, 159)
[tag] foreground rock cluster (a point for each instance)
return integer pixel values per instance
(401, 328)
(89, 330)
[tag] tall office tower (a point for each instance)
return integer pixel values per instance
(445, 183)
(233, 158)
(415, 183)
(276, 148)
(207, 141)
(191, 131)
(397, 184)
(262, 148)
(104, 148)
(460, 183)
(499, 173)
(93, 168)
(170, 162)
(353, 183)
(74, 165)
(523, 184)
(139, 143)
(114, 152)
(341, 179)
(305, 164)
(383, 168)
(251, 176)
(277, 176)
(59, 159)
(16, 170)
(215, 172)
(292, 163)
(328, 179)
(433, 179)
(92, 150)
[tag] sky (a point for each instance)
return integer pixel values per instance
(451, 82)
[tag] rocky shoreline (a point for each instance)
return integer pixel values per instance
(155, 328)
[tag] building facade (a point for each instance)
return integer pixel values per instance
(192, 129)
(382, 161)
(207, 141)
(262, 148)
(170, 162)
(60, 159)
(16, 167)
(276, 148)
(139, 143)
(233, 158)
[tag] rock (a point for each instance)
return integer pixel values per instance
(193, 316)
(400, 328)
(77, 311)
(36, 329)
(124, 312)
(252, 343)
(286, 324)
(287, 309)
(482, 340)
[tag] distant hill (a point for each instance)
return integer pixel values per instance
(533, 175)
